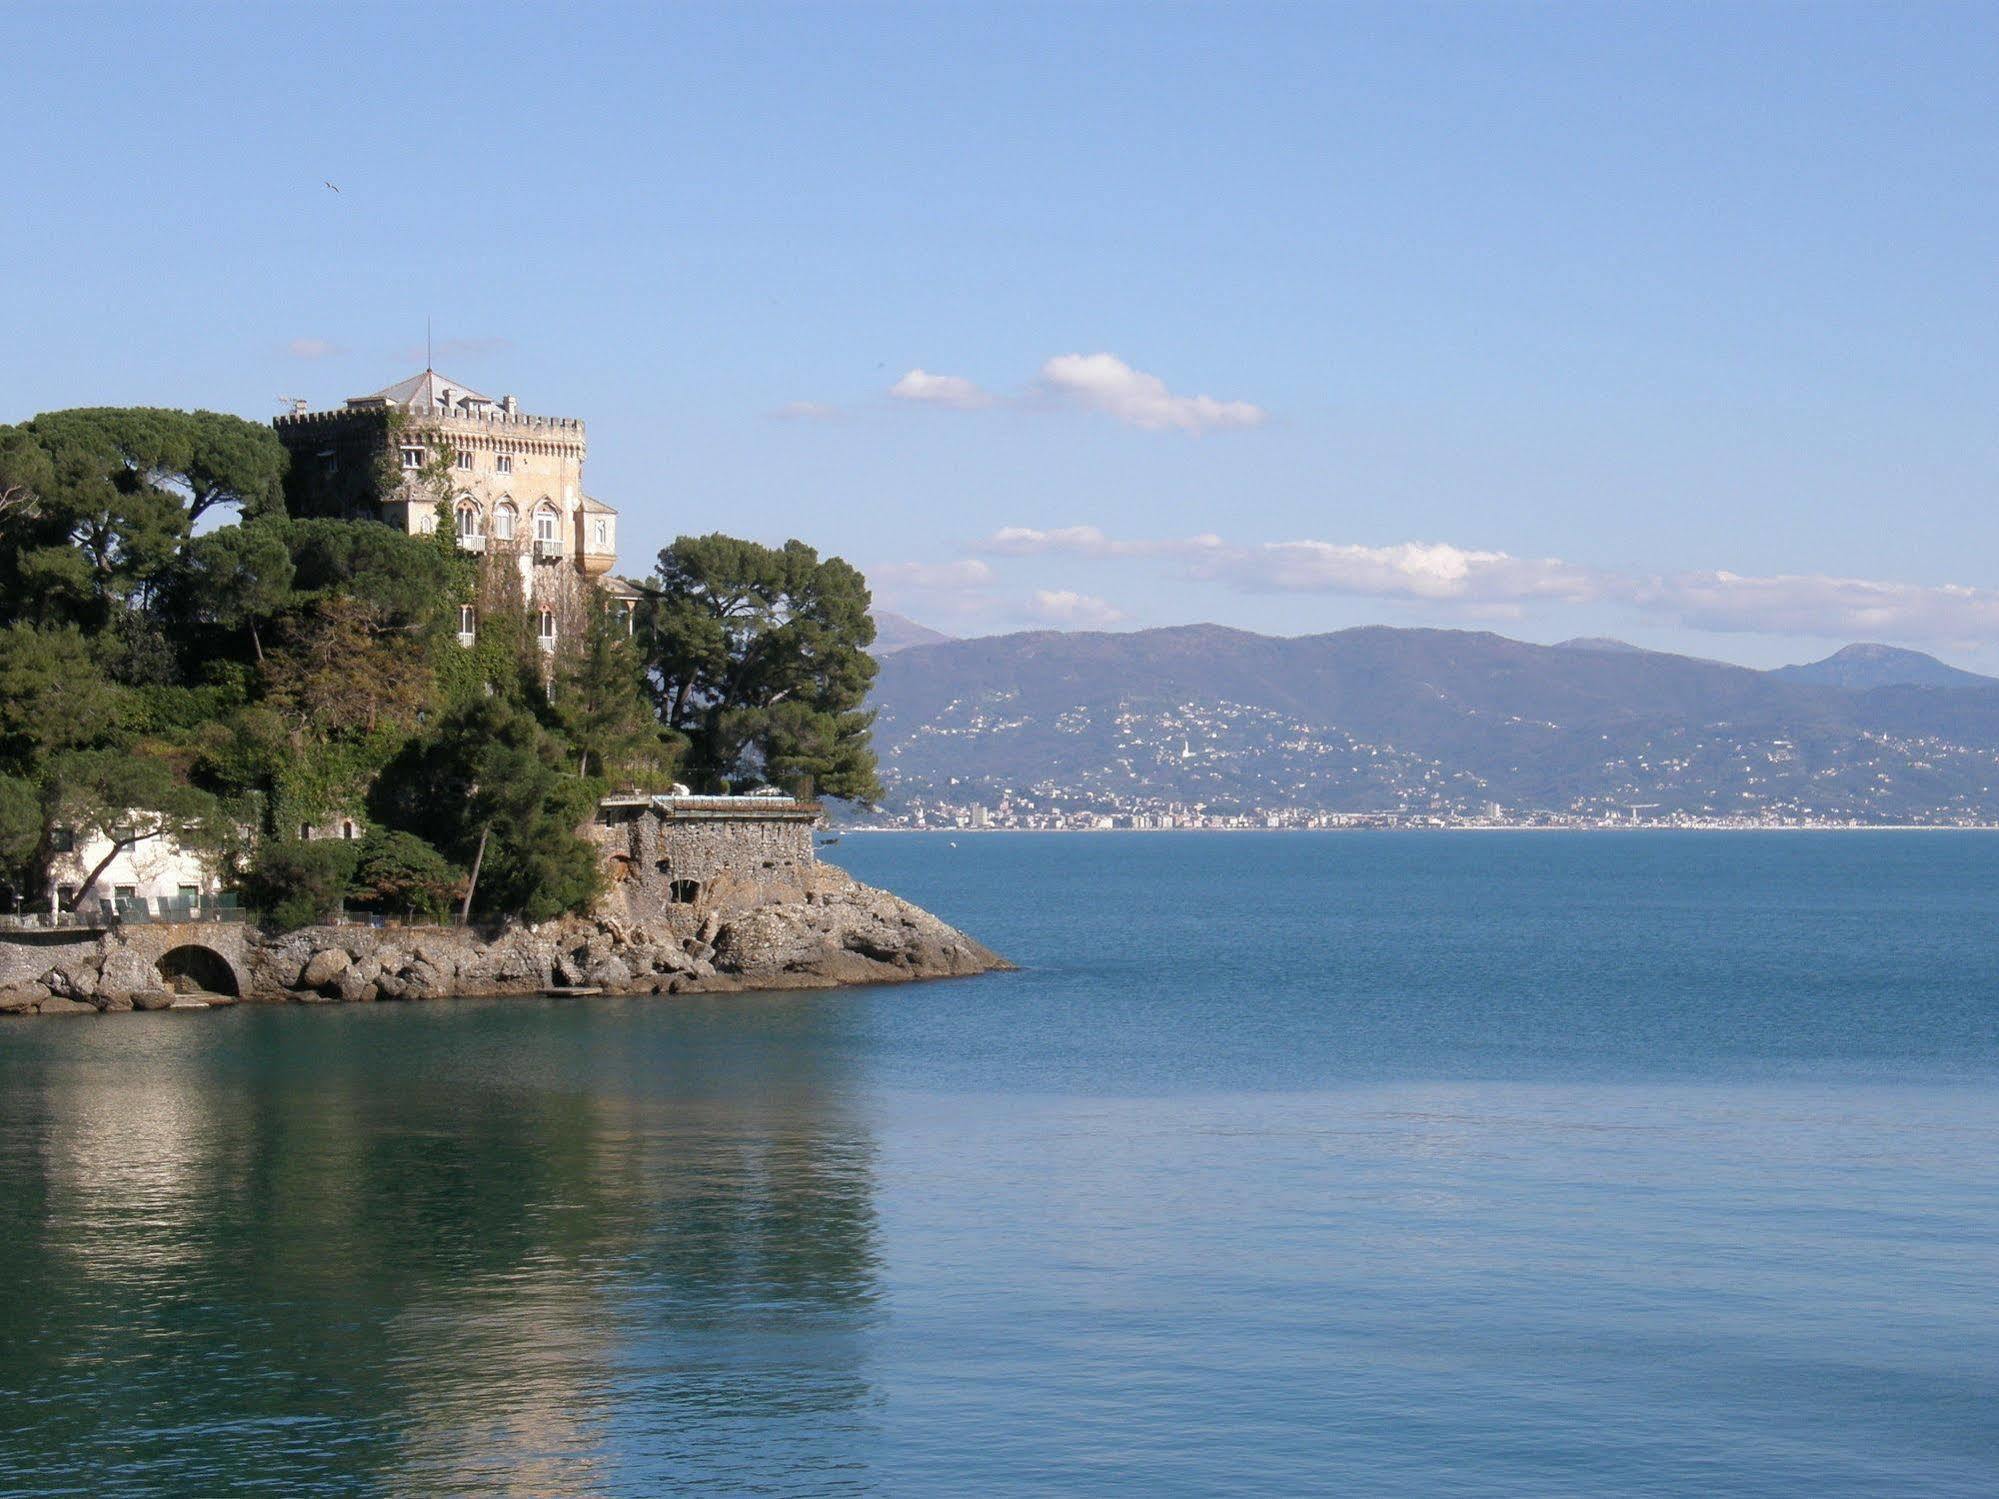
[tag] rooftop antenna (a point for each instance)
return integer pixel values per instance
(426, 347)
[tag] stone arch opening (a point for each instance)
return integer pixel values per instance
(683, 892)
(190, 968)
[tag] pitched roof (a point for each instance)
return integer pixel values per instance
(427, 392)
(594, 506)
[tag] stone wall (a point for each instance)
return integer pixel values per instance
(665, 866)
(141, 963)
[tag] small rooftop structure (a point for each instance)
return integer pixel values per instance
(431, 394)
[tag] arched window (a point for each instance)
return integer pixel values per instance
(504, 516)
(468, 519)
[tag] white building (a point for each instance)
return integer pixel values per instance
(152, 869)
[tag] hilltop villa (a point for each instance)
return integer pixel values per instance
(516, 481)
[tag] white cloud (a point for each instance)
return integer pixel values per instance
(933, 576)
(1075, 610)
(1088, 541)
(1104, 382)
(1495, 584)
(805, 411)
(1432, 571)
(1415, 570)
(954, 391)
(312, 348)
(1087, 382)
(1804, 604)
(960, 591)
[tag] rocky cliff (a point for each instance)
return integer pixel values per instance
(827, 930)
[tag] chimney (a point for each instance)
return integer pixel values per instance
(507, 405)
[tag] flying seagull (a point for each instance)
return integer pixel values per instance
(330, 184)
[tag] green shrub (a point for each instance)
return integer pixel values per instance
(301, 883)
(400, 872)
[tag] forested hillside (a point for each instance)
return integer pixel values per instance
(180, 659)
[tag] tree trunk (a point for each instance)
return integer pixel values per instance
(256, 642)
(103, 864)
(472, 885)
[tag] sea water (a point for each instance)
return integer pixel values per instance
(1401, 1164)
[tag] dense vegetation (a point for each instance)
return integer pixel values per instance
(181, 658)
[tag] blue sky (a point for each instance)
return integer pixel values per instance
(1674, 323)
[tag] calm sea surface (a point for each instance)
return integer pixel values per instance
(1407, 1164)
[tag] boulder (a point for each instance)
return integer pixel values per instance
(425, 980)
(611, 974)
(323, 968)
(61, 1006)
(153, 999)
(126, 973)
(74, 978)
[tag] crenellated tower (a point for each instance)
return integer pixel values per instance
(514, 481)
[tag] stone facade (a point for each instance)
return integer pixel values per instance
(678, 857)
(516, 483)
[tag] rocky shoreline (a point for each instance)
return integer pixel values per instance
(829, 930)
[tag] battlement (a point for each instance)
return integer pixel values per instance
(499, 420)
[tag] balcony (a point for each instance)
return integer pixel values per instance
(547, 549)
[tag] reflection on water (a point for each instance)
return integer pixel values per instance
(1522, 1166)
(439, 1251)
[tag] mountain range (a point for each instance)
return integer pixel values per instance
(1864, 666)
(1381, 719)
(896, 632)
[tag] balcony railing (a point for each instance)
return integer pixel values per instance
(547, 550)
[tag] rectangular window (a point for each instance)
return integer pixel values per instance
(125, 892)
(466, 619)
(603, 534)
(504, 463)
(412, 457)
(465, 460)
